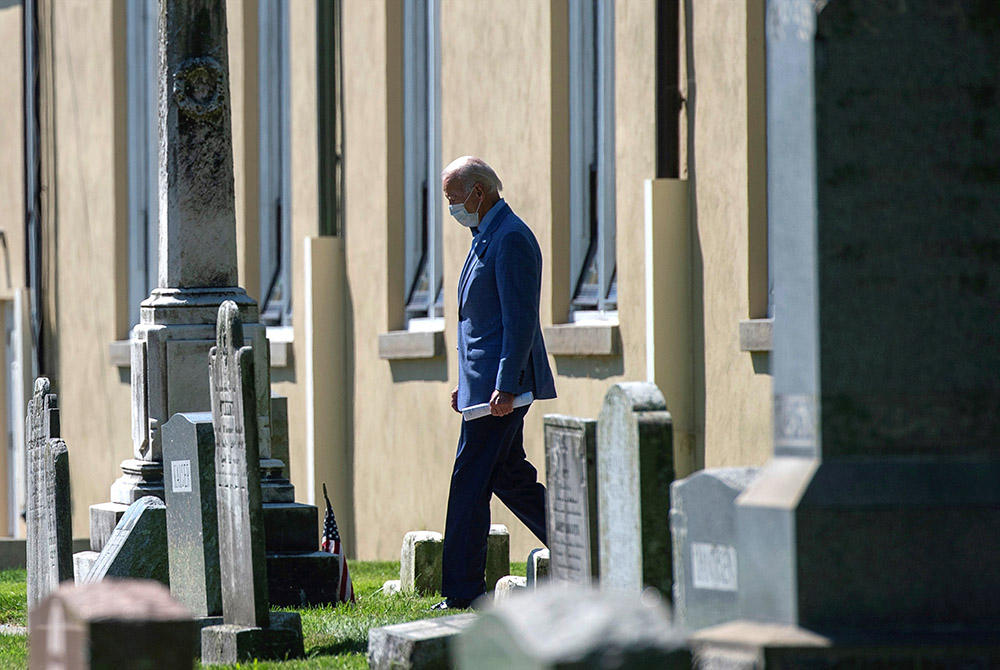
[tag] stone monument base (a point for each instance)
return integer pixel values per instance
(229, 644)
(139, 479)
(749, 645)
(103, 519)
(302, 579)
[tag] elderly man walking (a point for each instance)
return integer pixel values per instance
(500, 355)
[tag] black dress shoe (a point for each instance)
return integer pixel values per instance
(452, 604)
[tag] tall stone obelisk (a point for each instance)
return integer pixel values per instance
(197, 243)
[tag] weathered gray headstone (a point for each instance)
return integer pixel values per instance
(571, 484)
(538, 567)
(420, 562)
(417, 645)
(573, 628)
(48, 503)
(237, 475)
(497, 554)
(112, 624)
(249, 630)
(192, 521)
(137, 548)
(635, 466)
(703, 526)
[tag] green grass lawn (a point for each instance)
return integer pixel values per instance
(335, 637)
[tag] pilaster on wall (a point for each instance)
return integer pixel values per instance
(395, 214)
(329, 454)
(669, 355)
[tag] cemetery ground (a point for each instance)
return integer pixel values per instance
(335, 637)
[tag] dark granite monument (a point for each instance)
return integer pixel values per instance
(571, 482)
(112, 624)
(870, 534)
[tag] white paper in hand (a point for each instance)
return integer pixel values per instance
(479, 411)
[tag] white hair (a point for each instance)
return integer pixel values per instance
(469, 171)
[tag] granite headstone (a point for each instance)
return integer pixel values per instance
(48, 503)
(703, 528)
(571, 483)
(635, 466)
(249, 629)
(420, 562)
(192, 520)
(237, 475)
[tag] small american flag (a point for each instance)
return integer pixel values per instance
(331, 545)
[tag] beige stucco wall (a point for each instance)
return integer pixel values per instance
(382, 429)
(737, 400)
(11, 189)
(93, 398)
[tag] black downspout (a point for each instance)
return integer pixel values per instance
(32, 180)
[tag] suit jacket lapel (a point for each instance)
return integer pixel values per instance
(479, 244)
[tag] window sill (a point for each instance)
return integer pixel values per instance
(280, 340)
(399, 345)
(596, 338)
(756, 335)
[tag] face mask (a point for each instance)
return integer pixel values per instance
(462, 215)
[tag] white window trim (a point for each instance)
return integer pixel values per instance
(141, 73)
(421, 144)
(274, 94)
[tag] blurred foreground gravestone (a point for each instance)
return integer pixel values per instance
(49, 559)
(111, 625)
(249, 629)
(635, 466)
(865, 540)
(573, 628)
(571, 498)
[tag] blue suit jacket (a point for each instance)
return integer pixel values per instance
(500, 342)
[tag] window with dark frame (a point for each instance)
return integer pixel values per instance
(591, 121)
(422, 160)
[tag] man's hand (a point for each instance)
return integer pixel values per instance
(454, 399)
(501, 403)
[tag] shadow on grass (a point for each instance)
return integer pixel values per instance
(342, 647)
